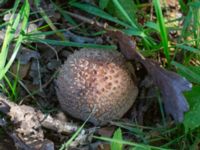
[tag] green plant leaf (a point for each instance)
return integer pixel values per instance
(163, 32)
(103, 3)
(125, 11)
(64, 14)
(183, 6)
(135, 145)
(192, 119)
(153, 25)
(78, 131)
(195, 4)
(50, 23)
(68, 43)
(194, 76)
(188, 48)
(98, 12)
(186, 23)
(191, 72)
(117, 136)
(24, 15)
(12, 26)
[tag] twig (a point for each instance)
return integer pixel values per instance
(90, 21)
(28, 132)
(46, 121)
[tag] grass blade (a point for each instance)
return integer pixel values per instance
(121, 9)
(135, 145)
(188, 48)
(163, 31)
(98, 12)
(190, 74)
(12, 26)
(67, 144)
(25, 10)
(73, 44)
(118, 136)
(64, 14)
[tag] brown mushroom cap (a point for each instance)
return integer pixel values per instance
(98, 81)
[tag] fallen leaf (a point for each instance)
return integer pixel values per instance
(23, 69)
(25, 55)
(171, 85)
(106, 131)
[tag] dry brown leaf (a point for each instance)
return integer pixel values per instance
(171, 85)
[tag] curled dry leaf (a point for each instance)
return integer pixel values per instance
(170, 84)
(25, 55)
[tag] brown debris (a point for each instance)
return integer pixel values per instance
(28, 123)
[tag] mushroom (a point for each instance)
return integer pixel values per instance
(96, 81)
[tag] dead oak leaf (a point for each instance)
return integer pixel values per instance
(171, 85)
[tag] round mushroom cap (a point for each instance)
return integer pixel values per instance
(96, 81)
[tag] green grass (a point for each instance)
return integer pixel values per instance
(132, 144)
(12, 86)
(131, 25)
(163, 32)
(9, 35)
(50, 23)
(73, 137)
(13, 24)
